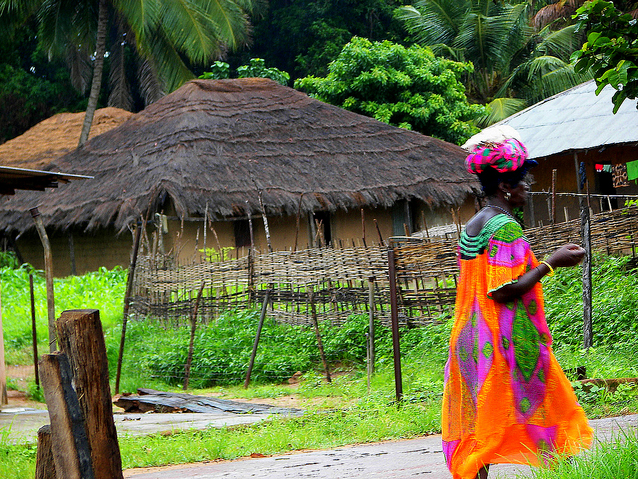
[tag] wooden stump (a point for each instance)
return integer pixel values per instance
(44, 464)
(81, 338)
(69, 444)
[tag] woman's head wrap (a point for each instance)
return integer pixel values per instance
(499, 147)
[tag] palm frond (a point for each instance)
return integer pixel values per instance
(120, 95)
(150, 84)
(77, 60)
(171, 69)
(432, 22)
(14, 13)
(142, 16)
(499, 109)
(560, 43)
(549, 76)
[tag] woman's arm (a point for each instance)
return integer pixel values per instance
(565, 256)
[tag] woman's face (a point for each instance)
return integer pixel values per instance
(519, 194)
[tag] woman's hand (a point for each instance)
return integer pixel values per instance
(566, 256)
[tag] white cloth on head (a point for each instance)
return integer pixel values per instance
(492, 134)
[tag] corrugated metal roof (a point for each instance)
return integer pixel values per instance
(575, 119)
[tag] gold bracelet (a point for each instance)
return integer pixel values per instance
(551, 270)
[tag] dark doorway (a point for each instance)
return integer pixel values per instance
(242, 233)
(322, 220)
(605, 186)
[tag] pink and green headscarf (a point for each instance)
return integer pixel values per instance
(505, 156)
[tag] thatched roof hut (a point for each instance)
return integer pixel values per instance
(219, 144)
(56, 136)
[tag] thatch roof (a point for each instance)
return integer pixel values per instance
(219, 143)
(56, 136)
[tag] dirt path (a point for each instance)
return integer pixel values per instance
(405, 459)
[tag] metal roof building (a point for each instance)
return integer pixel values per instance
(576, 119)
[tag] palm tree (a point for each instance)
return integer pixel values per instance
(514, 64)
(561, 11)
(164, 35)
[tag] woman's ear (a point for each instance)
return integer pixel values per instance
(504, 187)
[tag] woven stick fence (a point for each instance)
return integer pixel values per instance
(337, 279)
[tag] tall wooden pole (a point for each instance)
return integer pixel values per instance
(586, 240)
(262, 316)
(48, 271)
(3, 373)
(553, 218)
(127, 302)
(34, 332)
(394, 315)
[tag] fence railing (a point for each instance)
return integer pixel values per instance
(337, 281)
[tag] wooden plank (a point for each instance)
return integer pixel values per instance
(82, 340)
(44, 464)
(69, 443)
(160, 401)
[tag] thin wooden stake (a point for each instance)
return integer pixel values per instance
(370, 333)
(297, 222)
(553, 217)
(48, 271)
(262, 316)
(376, 224)
(363, 228)
(34, 333)
(265, 219)
(394, 315)
(189, 360)
(72, 253)
(315, 324)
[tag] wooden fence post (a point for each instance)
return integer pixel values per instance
(394, 316)
(264, 307)
(315, 323)
(82, 340)
(34, 332)
(127, 301)
(189, 359)
(48, 272)
(69, 443)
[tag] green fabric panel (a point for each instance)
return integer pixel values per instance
(632, 170)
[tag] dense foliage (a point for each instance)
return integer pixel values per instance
(611, 50)
(406, 87)
(303, 36)
(514, 64)
(32, 88)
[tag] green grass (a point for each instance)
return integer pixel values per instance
(342, 412)
(614, 459)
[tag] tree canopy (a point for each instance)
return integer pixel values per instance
(303, 36)
(514, 64)
(406, 87)
(163, 35)
(611, 49)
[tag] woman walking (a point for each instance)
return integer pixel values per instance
(506, 399)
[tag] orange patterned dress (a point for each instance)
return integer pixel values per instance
(506, 398)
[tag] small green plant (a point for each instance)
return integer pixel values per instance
(215, 256)
(256, 68)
